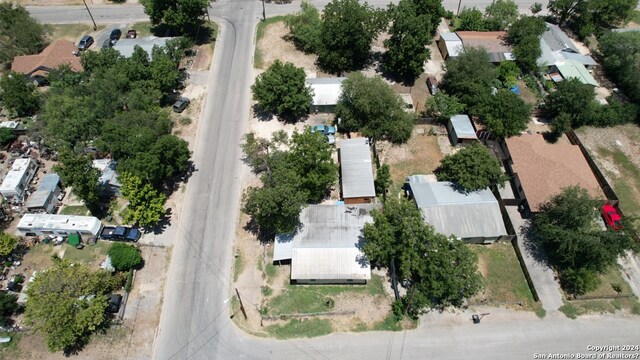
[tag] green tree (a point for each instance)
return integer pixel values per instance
(437, 270)
(124, 257)
(77, 171)
(473, 168)
(259, 152)
(579, 281)
(146, 204)
(173, 154)
(442, 106)
(574, 98)
(536, 8)
(508, 73)
(566, 230)
(560, 124)
(471, 19)
(98, 61)
(470, 78)
(370, 106)
(185, 16)
(383, 180)
(621, 60)
(305, 27)
(67, 303)
(163, 70)
(6, 136)
(8, 243)
(508, 114)
(19, 94)
(406, 48)
(347, 30)
(20, 34)
(592, 16)
(282, 90)
(433, 10)
(524, 34)
(8, 306)
(500, 14)
(311, 157)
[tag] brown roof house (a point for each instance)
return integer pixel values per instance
(57, 53)
(541, 169)
(493, 41)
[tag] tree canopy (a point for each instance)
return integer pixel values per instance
(347, 30)
(433, 10)
(19, 94)
(305, 27)
(500, 14)
(588, 17)
(576, 246)
(406, 48)
(124, 257)
(282, 90)
(8, 243)
(184, 16)
(77, 171)
(621, 60)
(524, 34)
(442, 106)
(371, 107)
(67, 303)
(146, 204)
(471, 19)
(20, 34)
(573, 98)
(507, 115)
(437, 271)
(473, 168)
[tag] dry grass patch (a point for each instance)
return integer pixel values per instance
(272, 45)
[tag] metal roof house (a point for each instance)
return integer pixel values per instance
(45, 198)
(573, 69)
(108, 179)
(18, 178)
(126, 47)
(356, 172)
(326, 249)
(326, 92)
(557, 48)
(473, 217)
(46, 224)
(450, 45)
(461, 130)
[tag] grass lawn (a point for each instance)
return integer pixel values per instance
(10, 350)
(504, 280)
(636, 17)
(301, 328)
(612, 276)
(75, 210)
(238, 266)
(573, 309)
(72, 32)
(307, 299)
(626, 185)
(90, 254)
(257, 55)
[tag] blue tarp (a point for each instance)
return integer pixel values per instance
(515, 90)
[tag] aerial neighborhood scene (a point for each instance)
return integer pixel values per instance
(292, 179)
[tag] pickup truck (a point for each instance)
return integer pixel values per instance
(120, 233)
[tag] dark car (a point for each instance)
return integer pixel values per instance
(39, 80)
(120, 233)
(181, 104)
(115, 35)
(114, 303)
(85, 43)
(132, 34)
(107, 44)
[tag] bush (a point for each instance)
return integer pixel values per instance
(579, 281)
(124, 257)
(129, 283)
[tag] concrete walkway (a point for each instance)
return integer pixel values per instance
(542, 275)
(631, 271)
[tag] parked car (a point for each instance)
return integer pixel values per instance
(115, 35)
(181, 104)
(432, 83)
(106, 44)
(39, 80)
(132, 34)
(114, 303)
(120, 233)
(612, 217)
(324, 129)
(85, 42)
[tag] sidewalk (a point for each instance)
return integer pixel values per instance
(631, 271)
(541, 274)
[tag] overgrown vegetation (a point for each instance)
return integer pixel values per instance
(472, 168)
(588, 17)
(620, 55)
(125, 257)
(20, 34)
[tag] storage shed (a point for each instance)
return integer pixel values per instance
(18, 178)
(326, 92)
(461, 130)
(327, 246)
(356, 171)
(473, 217)
(450, 45)
(46, 224)
(46, 197)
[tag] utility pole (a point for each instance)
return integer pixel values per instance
(264, 15)
(241, 306)
(459, 3)
(95, 27)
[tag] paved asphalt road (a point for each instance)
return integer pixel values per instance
(195, 321)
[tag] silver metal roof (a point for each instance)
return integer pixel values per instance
(127, 46)
(326, 91)
(355, 165)
(556, 39)
(49, 182)
(327, 243)
(453, 43)
(464, 215)
(556, 46)
(463, 127)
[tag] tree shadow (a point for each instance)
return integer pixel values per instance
(163, 224)
(261, 114)
(379, 61)
(531, 244)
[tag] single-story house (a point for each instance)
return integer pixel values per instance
(540, 170)
(57, 53)
(126, 47)
(450, 45)
(18, 178)
(473, 217)
(46, 197)
(327, 247)
(108, 179)
(47, 224)
(461, 130)
(493, 41)
(326, 92)
(572, 69)
(356, 172)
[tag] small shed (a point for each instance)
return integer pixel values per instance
(450, 45)
(356, 171)
(326, 92)
(45, 198)
(461, 130)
